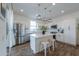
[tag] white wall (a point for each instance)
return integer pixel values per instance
(2, 38)
(21, 19)
(68, 23)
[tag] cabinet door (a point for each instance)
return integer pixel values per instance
(32, 43)
(60, 37)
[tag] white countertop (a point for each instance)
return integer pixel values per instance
(40, 35)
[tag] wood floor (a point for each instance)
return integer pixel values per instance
(61, 49)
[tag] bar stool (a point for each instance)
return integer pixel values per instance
(45, 45)
(52, 43)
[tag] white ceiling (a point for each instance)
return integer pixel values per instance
(32, 10)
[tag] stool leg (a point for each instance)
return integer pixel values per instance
(49, 49)
(53, 45)
(45, 50)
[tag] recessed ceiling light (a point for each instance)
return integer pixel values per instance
(62, 11)
(53, 3)
(21, 10)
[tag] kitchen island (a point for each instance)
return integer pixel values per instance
(36, 39)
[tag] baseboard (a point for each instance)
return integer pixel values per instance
(67, 43)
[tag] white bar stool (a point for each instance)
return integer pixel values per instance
(45, 45)
(52, 43)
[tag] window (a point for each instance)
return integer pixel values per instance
(33, 26)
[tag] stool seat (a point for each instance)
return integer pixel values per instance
(45, 43)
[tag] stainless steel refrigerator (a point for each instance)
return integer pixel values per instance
(18, 33)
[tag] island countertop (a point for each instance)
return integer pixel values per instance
(41, 35)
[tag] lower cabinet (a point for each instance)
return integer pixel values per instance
(65, 38)
(60, 37)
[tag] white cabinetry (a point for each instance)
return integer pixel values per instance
(60, 37)
(69, 34)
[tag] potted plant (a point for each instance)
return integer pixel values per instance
(43, 28)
